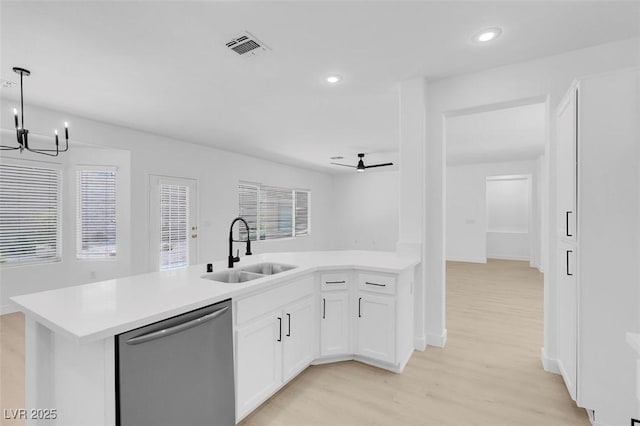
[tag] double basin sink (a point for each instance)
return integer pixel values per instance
(248, 273)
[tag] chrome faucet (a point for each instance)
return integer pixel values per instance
(233, 259)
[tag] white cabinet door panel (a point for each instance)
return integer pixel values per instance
(376, 327)
(298, 337)
(259, 363)
(334, 324)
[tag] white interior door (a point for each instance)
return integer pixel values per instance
(173, 226)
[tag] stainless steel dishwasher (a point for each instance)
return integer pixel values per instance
(177, 372)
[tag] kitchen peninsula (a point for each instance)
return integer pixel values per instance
(332, 306)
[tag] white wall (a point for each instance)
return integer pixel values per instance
(217, 173)
(365, 216)
(547, 77)
(466, 220)
(510, 211)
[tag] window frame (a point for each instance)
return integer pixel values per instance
(97, 168)
(58, 169)
(258, 209)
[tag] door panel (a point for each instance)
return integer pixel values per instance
(334, 324)
(376, 327)
(259, 362)
(567, 315)
(298, 337)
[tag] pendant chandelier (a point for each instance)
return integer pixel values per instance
(22, 134)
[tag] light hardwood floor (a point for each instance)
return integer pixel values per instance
(489, 373)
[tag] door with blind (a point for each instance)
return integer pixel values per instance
(173, 228)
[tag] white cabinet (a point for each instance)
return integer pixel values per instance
(297, 337)
(272, 347)
(597, 274)
(334, 323)
(567, 316)
(376, 327)
(258, 363)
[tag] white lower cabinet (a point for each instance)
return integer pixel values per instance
(284, 329)
(334, 324)
(275, 347)
(258, 363)
(376, 327)
(297, 337)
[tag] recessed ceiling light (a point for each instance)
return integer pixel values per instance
(334, 78)
(338, 157)
(487, 35)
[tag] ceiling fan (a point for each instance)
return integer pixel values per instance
(361, 167)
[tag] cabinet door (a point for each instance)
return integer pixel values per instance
(258, 363)
(567, 315)
(298, 337)
(376, 327)
(566, 146)
(334, 324)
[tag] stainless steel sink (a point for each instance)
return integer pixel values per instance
(247, 273)
(232, 276)
(268, 268)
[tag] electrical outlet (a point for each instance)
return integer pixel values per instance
(93, 275)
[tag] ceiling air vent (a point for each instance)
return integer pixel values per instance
(247, 45)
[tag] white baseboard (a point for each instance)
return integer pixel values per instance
(438, 340)
(420, 343)
(466, 259)
(549, 365)
(506, 257)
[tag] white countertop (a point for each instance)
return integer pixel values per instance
(633, 339)
(98, 310)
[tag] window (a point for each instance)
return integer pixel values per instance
(174, 222)
(30, 199)
(273, 212)
(96, 214)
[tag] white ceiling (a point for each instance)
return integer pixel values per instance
(163, 67)
(509, 134)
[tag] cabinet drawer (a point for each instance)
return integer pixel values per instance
(378, 283)
(334, 281)
(260, 304)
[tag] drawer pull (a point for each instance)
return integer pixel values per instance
(567, 255)
(289, 332)
(335, 282)
(567, 224)
(280, 327)
(376, 284)
(359, 304)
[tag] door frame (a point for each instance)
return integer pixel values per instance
(153, 182)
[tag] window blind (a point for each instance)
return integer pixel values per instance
(96, 214)
(276, 212)
(248, 195)
(30, 199)
(273, 212)
(302, 212)
(174, 223)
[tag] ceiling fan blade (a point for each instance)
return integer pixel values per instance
(378, 165)
(345, 165)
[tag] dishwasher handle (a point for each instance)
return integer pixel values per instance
(176, 328)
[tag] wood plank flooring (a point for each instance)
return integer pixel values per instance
(489, 373)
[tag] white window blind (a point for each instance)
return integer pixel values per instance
(248, 194)
(30, 200)
(276, 212)
(96, 214)
(302, 213)
(273, 212)
(174, 222)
